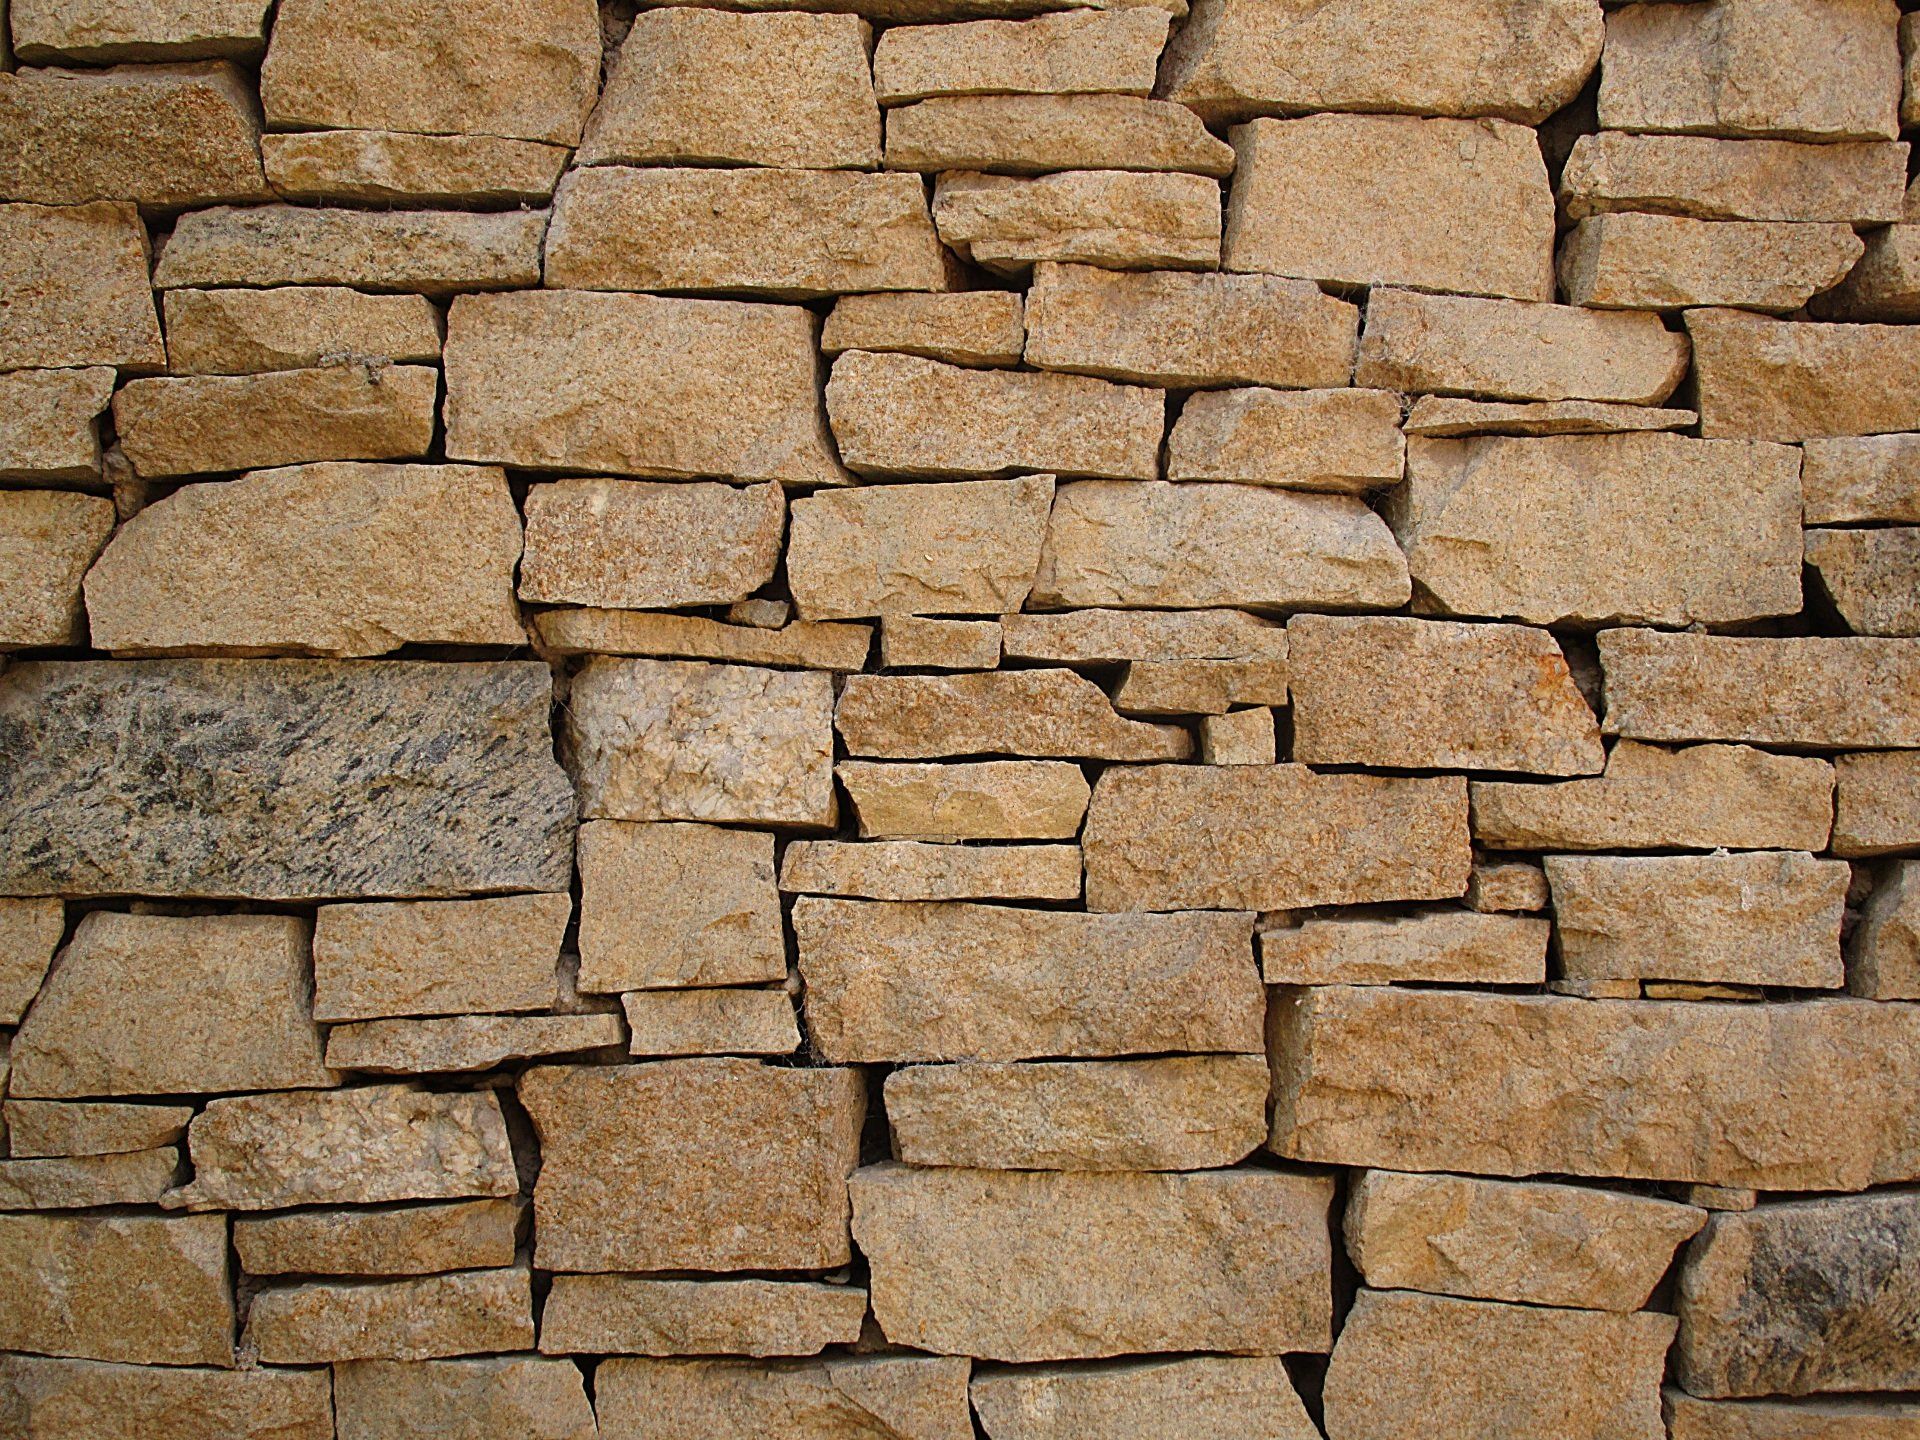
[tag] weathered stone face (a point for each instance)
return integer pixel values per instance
(1439, 416)
(462, 1399)
(1035, 134)
(65, 1182)
(445, 958)
(803, 644)
(1110, 218)
(1870, 577)
(92, 1400)
(1096, 636)
(1199, 687)
(49, 423)
(1689, 1418)
(1884, 963)
(1713, 179)
(48, 538)
(967, 327)
(1876, 799)
(1766, 379)
(1450, 946)
(924, 642)
(420, 1318)
(912, 1397)
(112, 30)
(978, 800)
(393, 166)
(1244, 1395)
(240, 332)
(98, 1127)
(396, 1240)
(451, 1044)
(668, 1023)
(76, 283)
(1342, 440)
(640, 1315)
(1073, 52)
(920, 870)
(1044, 713)
(1667, 262)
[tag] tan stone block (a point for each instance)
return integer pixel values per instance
(1187, 1112)
(68, 1182)
(75, 277)
(971, 800)
(1711, 179)
(319, 1322)
(1439, 416)
(1816, 1095)
(1277, 837)
(1039, 713)
(1437, 695)
(101, 31)
(723, 1165)
(388, 166)
(910, 642)
(706, 87)
(1244, 1395)
(641, 1315)
(455, 1043)
(1073, 52)
(678, 740)
(1877, 808)
(1159, 544)
(523, 69)
(912, 1397)
(1826, 1418)
(637, 385)
(1393, 200)
(1504, 886)
(360, 1146)
(389, 1240)
(57, 1127)
(1697, 797)
(1650, 528)
(437, 957)
(90, 1400)
(917, 870)
(1885, 285)
(1199, 687)
(1790, 69)
(711, 1022)
(1035, 134)
(482, 1399)
(296, 327)
(1456, 947)
(1872, 577)
(1241, 737)
(1883, 958)
(1910, 72)
(139, 1288)
(1822, 693)
(969, 327)
(1668, 262)
(802, 644)
(1341, 440)
(1765, 379)
(48, 538)
(1039, 1265)
(1693, 990)
(1238, 58)
(163, 136)
(939, 981)
(1523, 1372)
(1100, 637)
(1152, 221)
(49, 424)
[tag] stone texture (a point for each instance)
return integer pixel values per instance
(938, 981)
(1667, 262)
(637, 385)
(1041, 713)
(1188, 1112)
(1521, 1372)
(1712, 179)
(253, 779)
(444, 958)
(1099, 637)
(392, 1240)
(1884, 960)
(1237, 58)
(91, 1400)
(115, 30)
(1275, 837)
(500, 1395)
(58, 1127)
(1531, 1244)
(48, 538)
(1034, 134)
(705, 87)
(919, 642)
(75, 277)
(1826, 1419)
(801, 644)
(1647, 528)
(1815, 1095)
(1342, 440)
(640, 1315)
(784, 234)
(970, 327)
(1436, 695)
(972, 800)
(1437, 415)
(159, 1005)
(1872, 577)
(1241, 737)
(1456, 947)
(49, 424)
(1009, 1265)
(1160, 544)
(1247, 1396)
(30, 932)
(1392, 200)
(1766, 379)
(724, 1165)
(1199, 687)
(1885, 285)
(389, 166)
(1877, 804)
(295, 327)
(1073, 52)
(455, 1043)
(710, 1022)
(1754, 1320)
(676, 740)
(1112, 218)
(917, 870)
(360, 1146)
(419, 1318)
(67, 1182)
(1502, 886)
(905, 1396)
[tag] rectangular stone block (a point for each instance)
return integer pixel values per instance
(710, 1022)
(382, 1240)
(48, 539)
(76, 281)
(967, 327)
(915, 642)
(1099, 637)
(92, 1400)
(70, 1182)
(1040, 713)
(1877, 805)
(1711, 179)
(1765, 379)
(1669, 262)
(1833, 1418)
(977, 800)
(1035, 134)
(1439, 416)
(641, 1315)
(446, 958)
(1241, 737)
(50, 424)
(1199, 687)
(318, 1322)
(1073, 52)
(294, 327)
(1220, 1394)
(1110, 218)
(802, 644)
(914, 1397)
(462, 1399)
(1871, 576)
(96, 1127)
(454, 1043)
(1875, 477)
(1345, 440)
(395, 168)
(1455, 947)
(104, 31)
(916, 870)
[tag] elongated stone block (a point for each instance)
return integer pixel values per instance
(381, 1240)
(964, 327)
(1035, 134)
(438, 958)
(394, 167)
(1345, 440)
(480, 1399)
(803, 644)
(76, 284)
(293, 327)
(1041, 713)
(970, 800)
(1760, 378)
(1455, 947)
(1712, 179)
(72, 1182)
(450, 1044)
(640, 1315)
(1072, 52)
(1690, 1418)
(91, 1127)
(1246, 1395)
(114, 30)
(920, 870)
(465, 1312)
(913, 1397)
(1111, 218)
(735, 1021)
(52, 1399)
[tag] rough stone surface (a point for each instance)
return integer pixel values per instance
(61, 1127)
(1112, 218)
(1041, 713)
(75, 277)
(1689, 1418)
(52, 1399)
(1884, 962)
(1456, 947)
(1073, 52)
(296, 327)
(912, 1397)
(1244, 1395)
(1871, 577)
(1501, 886)
(463, 1399)
(1241, 737)
(1342, 440)
(1099, 636)
(115, 30)
(1885, 285)
(1667, 262)
(1199, 687)
(918, 870)
(454, 1043)
(972, 800)
(710, 1022)
(1713, 179)
(389, 166)
(67, 1182)
(1034, 134)
(1765, 379)
(971, 327)
(802, 644)
(923, 642)
(640, 1315)
(417, 1318)
(1876, 803)
(440, 958)
(1441, 416)
(48, 538)
(49, 423)
(390, 1240)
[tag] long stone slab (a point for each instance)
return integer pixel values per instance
(53, 1399)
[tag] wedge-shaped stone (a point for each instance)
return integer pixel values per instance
(1651, 528)
(1667, 262)
(912, 1397)
(162, 1004)
(1516, 350)
(1342, 440)
(675, 740)
(668, 1023)
(637, 385)
(1436, 695)
(295, 327)
(75, 277)
(1521, 1372)
(481, 1399)
(1436, 415)
(1246, 1395)
(785, 234)
(90, 1400)
(1168, 328)
(1123, 221)
(1817, 1095)
(1872, 577)
(392, 1240)
(1712, 179)
(1160, 544)
(905, 982)
(320, 1322)
(454, 1043)
(360, 1146)
(1099, 637)
(48, 538)
(1188, 1112)
(1817, 692)
(1391, 200)
(1751, 1324)
(1883, 962)
(1785, 68)
(1044, 713)
(527, 71)
(1455, 947)
(329, 559)
(1833, 1418)
(968, 327)
(1237, 58)
(49, 423)
(724, 1165)
(1006, 1265)
(1765, 379)
(705, 87)
(113, 30)
(1876, 477)
(917, 870)
(69, 1182)
(972, 800)
(139, 1288)
(1531, 1244)
(802, 644)
(163, 136)
(98, 1127)
(640, 1315)
(391, 166)
(438, 252)
(1073, 52)
(1271, 837)
(443, 958)
(1877, 804)
(473, 799)
(1885, 285)
(1698, 797)
(1034, 134)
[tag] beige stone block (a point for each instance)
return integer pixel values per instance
(641, 1315)
(1101, 637)
(91, 1127)
(382, 1240)
(75, 277)
(1199, 687)
(1765, 379)
(1035, 134)
(1885, 285)
(1504, 886)
(1827, 1418)
(1872, 577)
(455, 1043)
(1668, 262)
(970, 800)
(1342, 440)
(1440, 416)
(1877, 809)
(390, 166)
(1712, 179)
(918, 870)
(1241, 737)
(711, 1022)
(913, 1397)
(295, 327)
(483, 1399)
(114, 30)
(1883, 958)
(1455, 947)
(437, 957)
(1244, 1395)
(49, 424)
(803, 644)
(909, 642)
(1072, 52)
(48, 538)
(969, 327)
(466, 1312)
(90, 1400)
(66, 1182)
(1038, 713)
(1111, 218)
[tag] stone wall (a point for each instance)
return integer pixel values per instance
(959, 720)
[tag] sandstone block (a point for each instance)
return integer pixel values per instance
(802, 644)
(1112, 218)
(419, 1318)
(49, 423)
(48, 538)
(1667, 262)
(454, 1043)
(1885, 285)
(912, 1397)
(1884, 958)
(936, 981)
(482, 1399)
(1877, 802)
(390, 166)
(969, 327)
(1100, 637)
(917, 870)
(392, 1240)
(295, 327)
(441, 958)
(1822, 1419)
(91, 1400)
(66, 1182)
(1241, 737)
(1437, 415)
(640, 1315)
(1457, 947)
(1711, 179)
(1034, 134)
(910, 642)
(1073, 52)
(971, 800)
(1199, 687)
(710, 1022)
(1041, 713)
(1040, 1265)
(1500, 886)
(58, 1127)
(1766, 379)
(1872, 577)
(1342, 440)
(1246, 1395)
(115, 30)
(75, 277)
(1271, 838)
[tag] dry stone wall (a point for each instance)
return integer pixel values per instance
(949, 718)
